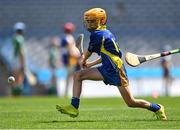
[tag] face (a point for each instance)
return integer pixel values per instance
(20, 31)
(91, 24)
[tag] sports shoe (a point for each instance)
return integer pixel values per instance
(160, 114)
(69, 110)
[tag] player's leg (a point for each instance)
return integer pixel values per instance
(87, 74)
(17, 87)
(132, 102)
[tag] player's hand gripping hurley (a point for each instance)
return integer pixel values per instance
(135, 60)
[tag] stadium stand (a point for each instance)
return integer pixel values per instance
(141, 26)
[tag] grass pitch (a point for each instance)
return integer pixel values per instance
(108, 113)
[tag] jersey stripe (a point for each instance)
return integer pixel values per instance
(117, 49)
(116, 59)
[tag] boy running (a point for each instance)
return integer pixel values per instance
(112, 71)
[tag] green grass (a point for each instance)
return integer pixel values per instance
(40, 112)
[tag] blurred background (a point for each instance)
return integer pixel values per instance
(141, 27)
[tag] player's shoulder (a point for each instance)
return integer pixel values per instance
(100, 33)
(67, 40)
(107, 32)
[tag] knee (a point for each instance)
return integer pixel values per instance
(131, 103)
(77, 75)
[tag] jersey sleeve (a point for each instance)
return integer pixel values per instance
(91, 44)
(95, 43)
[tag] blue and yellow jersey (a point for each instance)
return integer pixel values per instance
(67, 42)
(64, 51)
(103, 42)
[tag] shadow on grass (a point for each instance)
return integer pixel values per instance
(115, 120)
(67, 121)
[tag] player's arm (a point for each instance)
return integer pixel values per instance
(21, 50)
(85, 57)
(93, 47)
(73, 50)
(87, 54)
(22, 58)
(95, 62)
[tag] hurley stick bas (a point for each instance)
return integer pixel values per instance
(135, 60)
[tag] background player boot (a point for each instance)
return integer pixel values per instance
(160, 114)
(69, 110)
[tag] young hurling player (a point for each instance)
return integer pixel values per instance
(19, 58)
(112, 71)
(70, 53)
